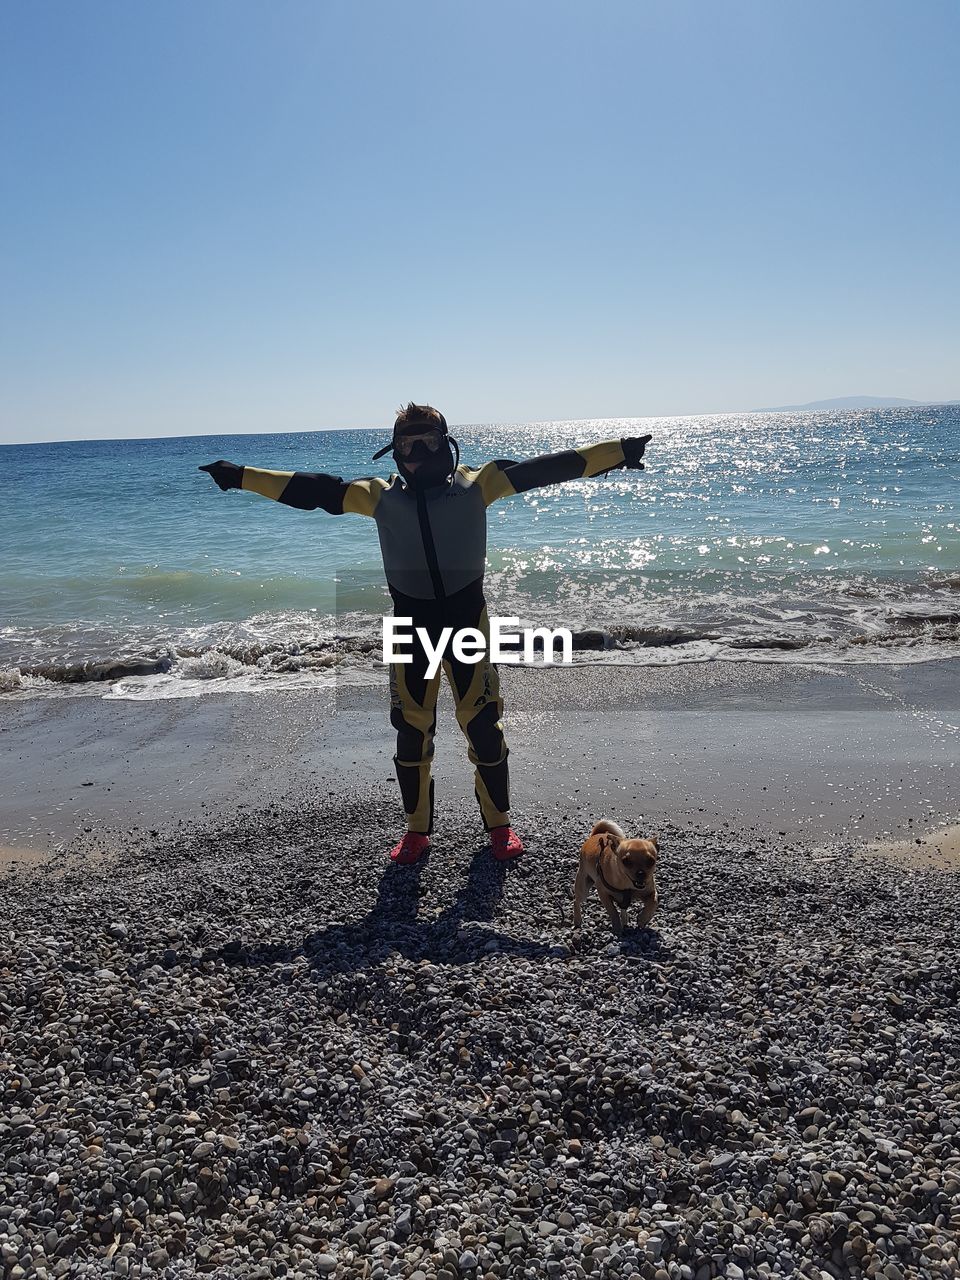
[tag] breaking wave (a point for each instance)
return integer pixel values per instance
(612, 621)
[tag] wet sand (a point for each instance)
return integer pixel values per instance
(23, 857)
(861, 755)
(936, 850)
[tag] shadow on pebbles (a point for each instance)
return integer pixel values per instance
(262, 1051)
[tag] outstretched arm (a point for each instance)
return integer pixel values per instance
(501, 479)
(306, 490)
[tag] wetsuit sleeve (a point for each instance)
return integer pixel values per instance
(309, 490)
(502, 478)
(362, 496)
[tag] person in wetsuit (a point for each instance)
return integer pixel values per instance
(431, 519)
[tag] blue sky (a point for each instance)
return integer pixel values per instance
(234, 216)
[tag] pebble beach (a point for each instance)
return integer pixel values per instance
(250, 1049)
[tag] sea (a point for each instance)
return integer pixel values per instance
(813, 538)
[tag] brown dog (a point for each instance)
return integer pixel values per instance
(622, 871)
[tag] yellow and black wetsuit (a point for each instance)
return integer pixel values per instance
(434, 544)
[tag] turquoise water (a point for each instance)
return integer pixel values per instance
(781, 537)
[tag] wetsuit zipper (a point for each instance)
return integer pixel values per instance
(429, 549)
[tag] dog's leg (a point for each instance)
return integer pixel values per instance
(611, 910)
(623, 919)
(646, 915)
(579, 894)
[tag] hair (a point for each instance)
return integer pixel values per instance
(418, 413)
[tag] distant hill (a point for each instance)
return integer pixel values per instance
(845, 402)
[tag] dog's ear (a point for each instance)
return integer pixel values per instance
(655, 841)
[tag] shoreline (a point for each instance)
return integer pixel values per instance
(222, 671)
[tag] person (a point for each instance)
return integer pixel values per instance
(431, 520)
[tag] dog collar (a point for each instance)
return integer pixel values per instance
(620, 896)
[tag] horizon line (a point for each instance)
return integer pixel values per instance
(476, 426)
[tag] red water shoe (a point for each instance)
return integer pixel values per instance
(411, 849)
(506, 844)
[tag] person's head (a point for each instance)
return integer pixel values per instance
(421, 445)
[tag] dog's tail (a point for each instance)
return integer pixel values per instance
(608, 827)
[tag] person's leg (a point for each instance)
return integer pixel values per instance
(413, 713)
(476, 691)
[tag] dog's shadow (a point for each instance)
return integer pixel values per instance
(635, 943)
(644, 943)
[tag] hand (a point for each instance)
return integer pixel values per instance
(227, 474)
(633, 447)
